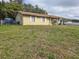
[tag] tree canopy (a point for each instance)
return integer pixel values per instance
(12, 8)
(34, 9)
(9, 9)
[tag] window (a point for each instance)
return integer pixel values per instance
(43, 19)
(32, 19)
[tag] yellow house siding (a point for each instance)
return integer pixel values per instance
(38, 21)
(26, 20)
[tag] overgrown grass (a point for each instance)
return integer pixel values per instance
(39, 42)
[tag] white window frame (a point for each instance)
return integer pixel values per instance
(32, 19)
(43, 19)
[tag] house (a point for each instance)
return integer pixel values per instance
(28, 18)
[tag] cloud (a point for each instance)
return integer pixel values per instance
(69, 12)
(63, 3)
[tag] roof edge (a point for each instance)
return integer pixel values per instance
(37, 14)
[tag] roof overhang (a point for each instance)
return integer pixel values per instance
(38, 15)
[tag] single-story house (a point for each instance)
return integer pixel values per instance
(28, 18)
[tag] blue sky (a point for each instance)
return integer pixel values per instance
(66, 8)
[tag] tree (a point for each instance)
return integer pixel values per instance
(28, 7)
(2, 10)
(16, 1)
(34, 9)
(20, 1)
(39, 10)
(10, 0)
(10, 9)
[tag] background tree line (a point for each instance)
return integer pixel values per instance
(34, 9)
(9, 9)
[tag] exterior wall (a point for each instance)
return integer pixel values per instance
(38, 21)
(19, 18)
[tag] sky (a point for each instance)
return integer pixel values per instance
(65, 8)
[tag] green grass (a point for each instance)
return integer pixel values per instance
(39, 42)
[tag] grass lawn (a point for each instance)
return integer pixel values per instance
(39, 42)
